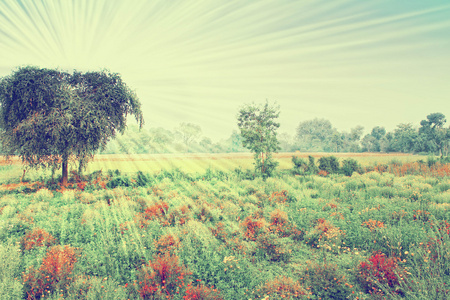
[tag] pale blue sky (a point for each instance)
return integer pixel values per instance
(353, 62)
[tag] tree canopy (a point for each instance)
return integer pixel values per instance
(49, 116)
(258, 127)
(433, 130)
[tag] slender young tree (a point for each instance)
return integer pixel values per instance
(258, 127)
(49, 117)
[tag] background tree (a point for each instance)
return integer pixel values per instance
(314, 135)
(432, 129)
(258, 127)
(369, 143)
(234, 143)
(404, 138)
(356, 133)
(161, 140)
(351, 140)
(372, 142)
(48, 117)
(286, 142)
(337, 139)
(188, 133)
(378, 132)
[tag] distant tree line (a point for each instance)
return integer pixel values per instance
(185, 138)
(316, 135)
(431, 136)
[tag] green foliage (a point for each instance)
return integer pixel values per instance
(75, 114)
(326, 282)
(314, 135)
(300, 166)
(10, 284)
(188, 133)
(297, 236)
(349, 166)
(303, 167)
(142, 179)
(318, 135)
(436, 137)
(124, 181)
(258, 128)
(244, 175)
(330, 164)
(312, 167)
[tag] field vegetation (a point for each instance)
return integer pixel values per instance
(315, 230)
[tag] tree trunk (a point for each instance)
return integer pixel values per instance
(65, 172)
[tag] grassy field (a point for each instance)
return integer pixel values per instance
(199, 163)
(184, 234)
(225, 161)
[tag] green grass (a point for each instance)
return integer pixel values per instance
(195, 163)
(225, 233)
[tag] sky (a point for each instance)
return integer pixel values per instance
(353, 62)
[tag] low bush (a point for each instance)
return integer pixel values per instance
(325, 281)
(54, 274)
(36, 238)
(281, 288)
(349, 166)
(329, 164)
(162, 277)
(201, 292)
(380, 271)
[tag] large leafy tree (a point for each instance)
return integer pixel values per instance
(315, 135)
(49, 117)
(258, 125)
(436, 135)
(405, 138)
(188, 133)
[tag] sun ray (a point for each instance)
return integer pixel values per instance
(199, 61)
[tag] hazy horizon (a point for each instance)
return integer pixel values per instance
(350, 62)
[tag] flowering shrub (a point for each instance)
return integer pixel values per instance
(397, 216)
(201, 292)
(253, 227)
(380, 270)
(204, 213)
(36, 238)
(279, 224)
(281, 288)
(416, 168)
(279, 197)
(179, 216)
(325, 281)
(273, 248)
(330, 206)
(157, 211)
(324, 234)
(162, 278)
(421, 215)
(166, 244)
(53, 275)
(373, 224)
(219, 231)
(444, 227)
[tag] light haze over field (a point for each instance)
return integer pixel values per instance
(353, 62)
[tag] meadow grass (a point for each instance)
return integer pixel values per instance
(225, 236)
(191, 163)
(194, 163)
